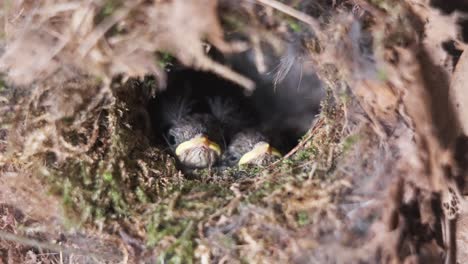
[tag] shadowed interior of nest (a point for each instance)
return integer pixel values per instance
(285, 109)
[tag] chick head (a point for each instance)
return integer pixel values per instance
(194, 141)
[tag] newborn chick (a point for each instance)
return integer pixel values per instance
(193, 137)
(250, 147)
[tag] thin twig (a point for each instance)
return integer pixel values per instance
(206, 64)
(102, 28)
(294, 13)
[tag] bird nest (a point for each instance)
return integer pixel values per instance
(377, 176)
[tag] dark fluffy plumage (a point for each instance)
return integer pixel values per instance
(191, 126)
(230, 115)
(287, 96)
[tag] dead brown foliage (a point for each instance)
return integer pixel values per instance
(38, 45)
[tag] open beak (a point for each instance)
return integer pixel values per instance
(260, 150)
(198, 142)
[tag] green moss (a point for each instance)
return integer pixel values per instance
(118, 202)
(178, 215)
(66, 196)
(349, 142)
(162, 226)
(294, 25)
(302, 218)
(109, 7)
(107, 10)
(107, 176)
(119, 175)
(382, 75)
(142, 197)
(250, 170)
(3, 85)
(265, 189)
(165, 59)
(182, 251)
(287, 162)
(345, 97)
(306, 154)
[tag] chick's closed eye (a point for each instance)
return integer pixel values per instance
(171, 140)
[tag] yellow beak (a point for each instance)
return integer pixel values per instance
(258, 151)
(198, 142)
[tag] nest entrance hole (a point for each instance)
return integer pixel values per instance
(284, 108)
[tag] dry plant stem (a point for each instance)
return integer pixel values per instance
(450, 238)
(294, 13)
(458, 91)
(101, 29)
(53, 247)
(259, 56)
(415, 98)
(204, 63)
